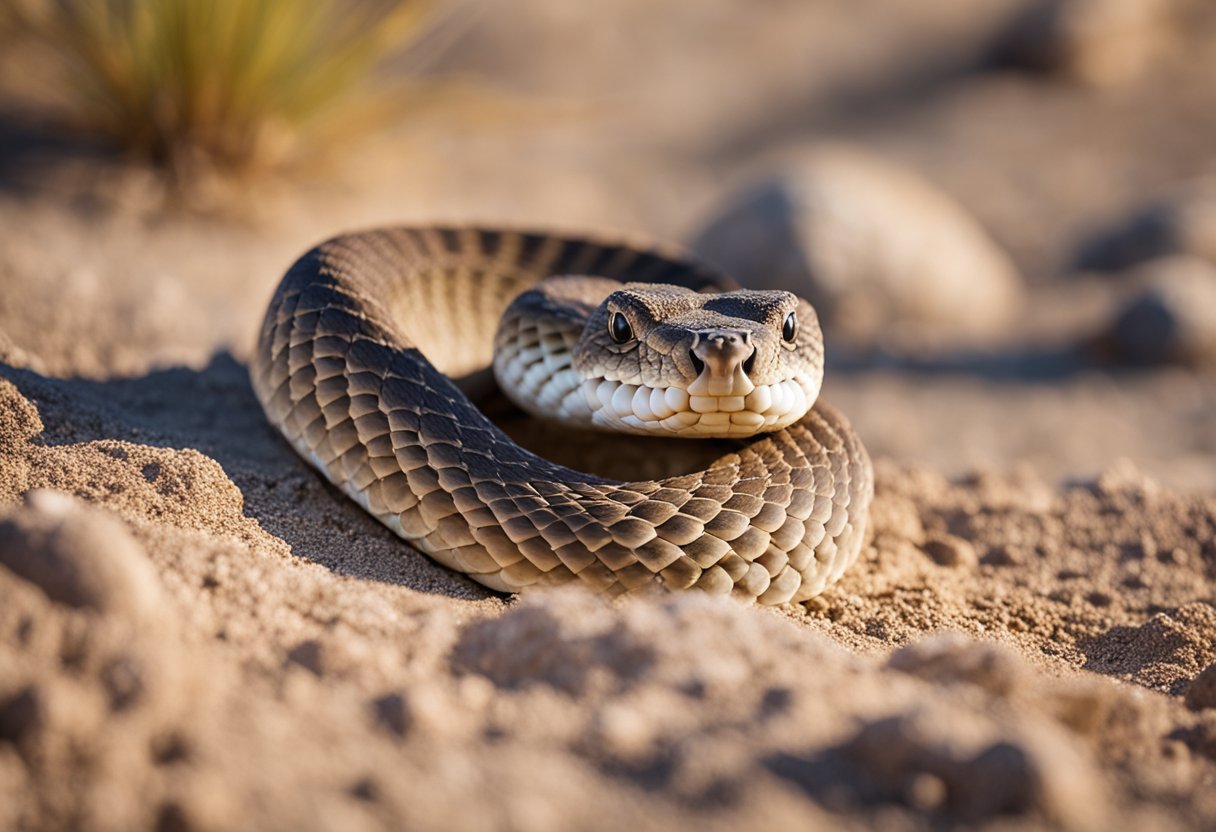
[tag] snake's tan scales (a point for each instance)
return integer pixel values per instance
(355, 366)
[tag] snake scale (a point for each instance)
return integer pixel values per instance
(357, 366)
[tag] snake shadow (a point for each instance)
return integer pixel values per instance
(214, 410)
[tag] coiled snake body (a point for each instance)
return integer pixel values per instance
(355, 366)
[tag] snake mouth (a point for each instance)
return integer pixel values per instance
(673, 411)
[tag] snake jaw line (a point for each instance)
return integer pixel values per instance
(541, 380)
(650, 410)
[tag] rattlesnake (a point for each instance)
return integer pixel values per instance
(367, 335)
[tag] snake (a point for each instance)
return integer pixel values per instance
(374, 340)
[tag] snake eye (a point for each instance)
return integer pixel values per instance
(789, 329)
(619, 329)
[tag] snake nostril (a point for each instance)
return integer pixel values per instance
(697, 364)
(749, 363)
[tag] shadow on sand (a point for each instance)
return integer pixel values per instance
(214, 411)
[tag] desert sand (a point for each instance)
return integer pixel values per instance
(197, 632)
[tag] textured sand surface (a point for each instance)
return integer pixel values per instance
(231, 643)
(198, 633)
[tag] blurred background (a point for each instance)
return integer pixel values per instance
(1005, 212)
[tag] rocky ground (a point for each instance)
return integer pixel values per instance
(199, 633)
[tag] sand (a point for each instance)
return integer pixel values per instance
(233, 643)
(197, 632)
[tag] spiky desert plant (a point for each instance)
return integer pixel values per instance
(232, 85)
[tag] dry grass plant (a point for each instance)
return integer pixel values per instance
(221, 87)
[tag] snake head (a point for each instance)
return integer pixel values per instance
(664, 359)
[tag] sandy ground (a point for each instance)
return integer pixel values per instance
(196, 632)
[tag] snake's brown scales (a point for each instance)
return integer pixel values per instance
(354, 366)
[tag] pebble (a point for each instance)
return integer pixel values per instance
(948, 550)
(1184, 223)
(1169, 315)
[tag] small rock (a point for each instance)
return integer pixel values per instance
(1201, 693)
(1099, 42)
(878, 251)
(948, 550)
(1182, 224)
(1176, 556)
(79, 556)
(1169, 315)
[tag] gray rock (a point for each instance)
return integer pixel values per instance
(1183, 224)
(1169, 315)
(879, 251)
(1099, 42)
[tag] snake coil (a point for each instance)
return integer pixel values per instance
(355, 366)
